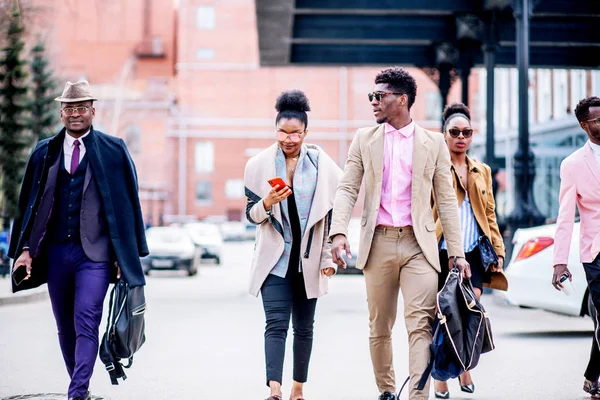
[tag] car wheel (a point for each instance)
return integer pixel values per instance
(146, 271)
(218, 260)
(192, 271)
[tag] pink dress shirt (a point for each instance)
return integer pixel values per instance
(396, 187)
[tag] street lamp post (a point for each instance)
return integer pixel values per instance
(489, 55)
(525, 213)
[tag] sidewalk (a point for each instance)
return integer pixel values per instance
(27, 296)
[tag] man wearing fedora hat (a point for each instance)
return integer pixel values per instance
(80, 227)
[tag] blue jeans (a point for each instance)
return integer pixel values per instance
(282, 298)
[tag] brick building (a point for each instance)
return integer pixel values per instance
(226, 112)
(126, 49)
(182, 84)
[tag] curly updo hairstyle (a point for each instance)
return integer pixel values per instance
(292, 104)
(455, 110)
(399, 81)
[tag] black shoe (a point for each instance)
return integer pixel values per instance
(88, 396)
(466, 388)
(592, 388)
(387, 396)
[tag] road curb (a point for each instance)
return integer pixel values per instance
(24, 298)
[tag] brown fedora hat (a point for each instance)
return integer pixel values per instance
(76, 92)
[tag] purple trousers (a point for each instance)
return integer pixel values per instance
(77, 287)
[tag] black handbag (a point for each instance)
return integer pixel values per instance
(125, 329)
(488, 254)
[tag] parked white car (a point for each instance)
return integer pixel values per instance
(171, 248)
(529, 273)
(233, 231)
(208, 237)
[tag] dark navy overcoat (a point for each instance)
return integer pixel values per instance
(116, 178)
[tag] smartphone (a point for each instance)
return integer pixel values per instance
(277, 181)
(19, 275)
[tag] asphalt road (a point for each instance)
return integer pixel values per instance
(205, 341)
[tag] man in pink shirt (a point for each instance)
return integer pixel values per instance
(580, 186)
(402, 164)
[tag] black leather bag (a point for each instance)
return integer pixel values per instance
(461, 331)
(488, 254)
(125, 329)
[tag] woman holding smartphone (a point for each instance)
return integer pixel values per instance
(473, 185)
(290, 188)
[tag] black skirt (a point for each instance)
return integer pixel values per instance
(478, 275)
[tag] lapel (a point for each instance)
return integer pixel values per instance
(95, 167)
(590, 160)
(55, 153)
(88, 177)
(327, 182)
(376, 148)
(456, 183)
(419, 159)
(474, 195)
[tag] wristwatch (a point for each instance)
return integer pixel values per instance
(268, 212)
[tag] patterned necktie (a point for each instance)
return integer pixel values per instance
(75, 157)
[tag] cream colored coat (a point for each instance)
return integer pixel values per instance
(431, 171)
(270, 243)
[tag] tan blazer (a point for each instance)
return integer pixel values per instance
(481, 196)
(431, 170)
(315, 251)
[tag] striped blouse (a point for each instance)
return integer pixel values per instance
(469, 230)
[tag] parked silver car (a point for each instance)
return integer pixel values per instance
(171, 248)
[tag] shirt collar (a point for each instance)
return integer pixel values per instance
(406, 131)
(70, 139)
(595, 148)
(470, 165)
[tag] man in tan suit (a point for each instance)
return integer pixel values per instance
(402, 165)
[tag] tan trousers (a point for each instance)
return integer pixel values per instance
(397, 262)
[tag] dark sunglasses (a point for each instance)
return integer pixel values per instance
(467, 132)
(379, 95)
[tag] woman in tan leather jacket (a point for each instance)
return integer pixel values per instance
(473, 184)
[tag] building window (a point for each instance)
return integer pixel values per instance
(205, 17)
(205, 157)
(203, 192)
(205, 54)
(234, 189)
(433, 110)
(595, 83)
(133, 138)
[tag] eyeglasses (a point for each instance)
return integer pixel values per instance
(71, 110)
(379, 95)
(596, 120)
(294, 137)
(467, 132)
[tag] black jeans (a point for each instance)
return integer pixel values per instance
(592, 273)
(282, 298)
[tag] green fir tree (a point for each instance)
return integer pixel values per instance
(14, 135)
(44, 115)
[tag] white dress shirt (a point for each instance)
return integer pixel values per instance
(68, 146)
(596, 151)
